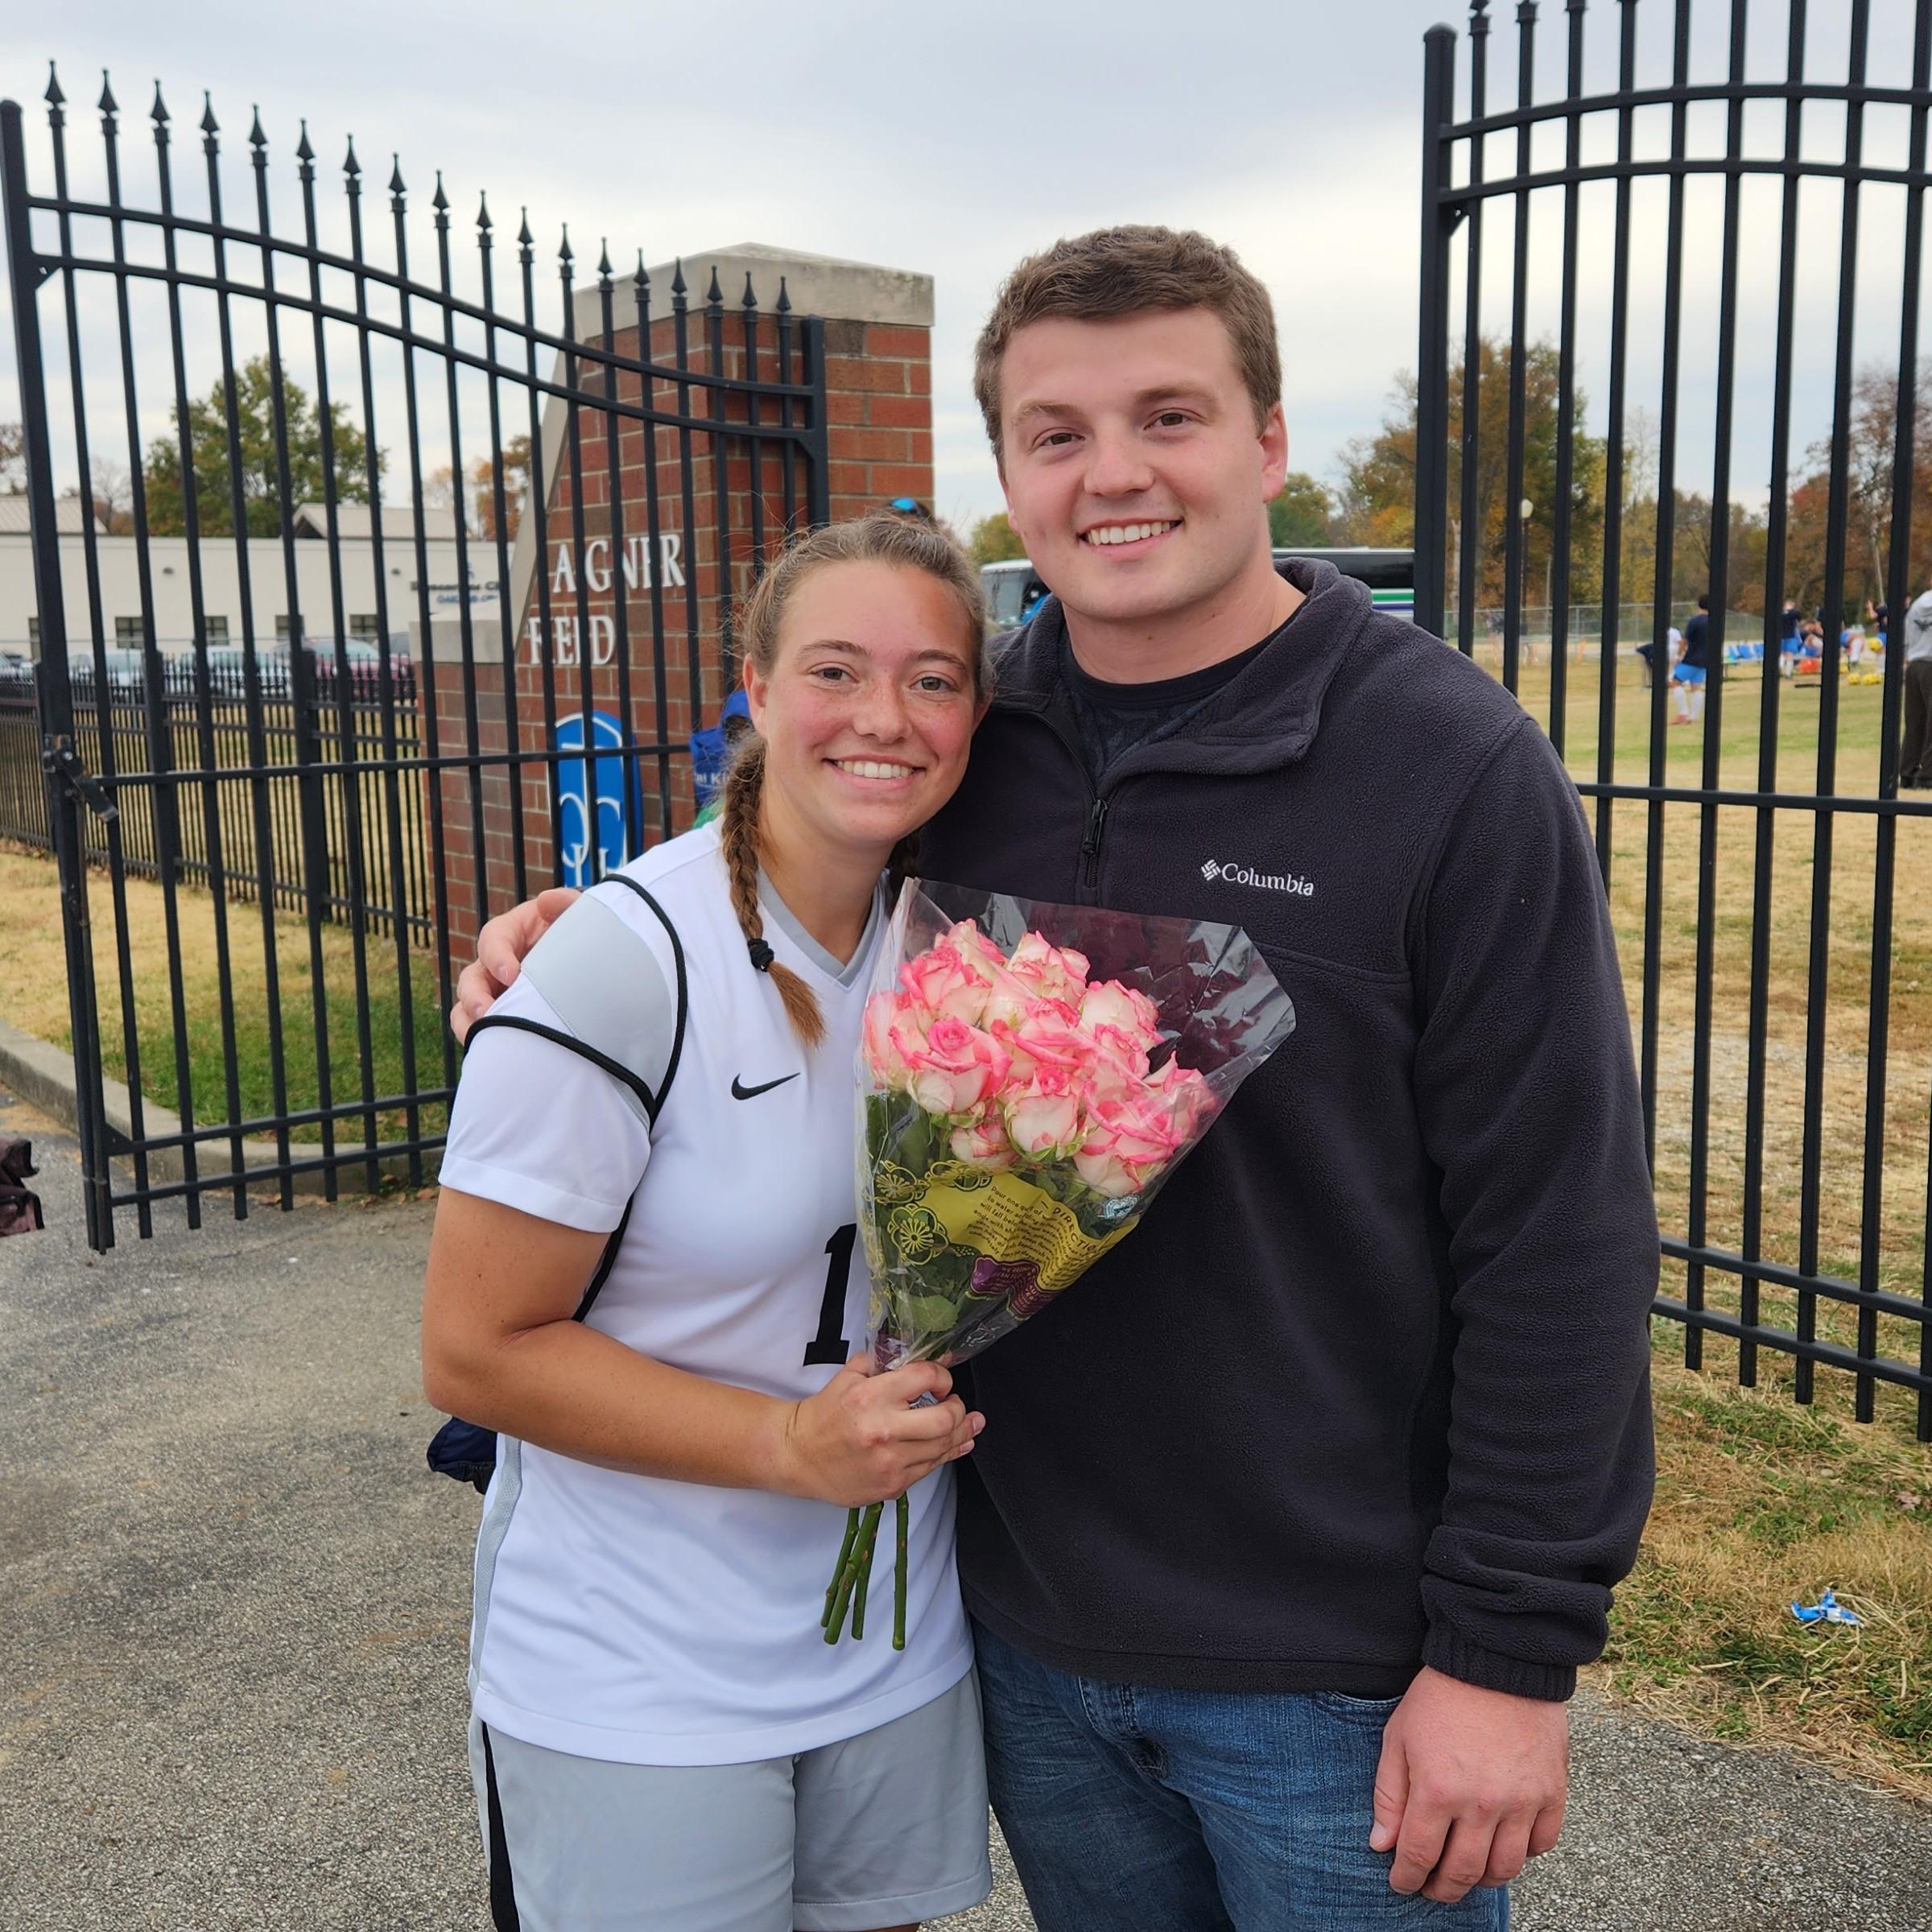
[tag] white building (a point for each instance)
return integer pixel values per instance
(355, 553)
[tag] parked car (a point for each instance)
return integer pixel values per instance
(1012, 589)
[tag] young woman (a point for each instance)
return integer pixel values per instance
(644, 1277)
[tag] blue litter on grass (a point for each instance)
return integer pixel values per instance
(1826, 1610)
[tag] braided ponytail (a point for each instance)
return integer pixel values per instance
(743, 789)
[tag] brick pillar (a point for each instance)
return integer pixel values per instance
(568, 575)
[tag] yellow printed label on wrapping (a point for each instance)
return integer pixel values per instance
(1009, 1220)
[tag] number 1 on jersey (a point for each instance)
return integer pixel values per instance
(829, 1344)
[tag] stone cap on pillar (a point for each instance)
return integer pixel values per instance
(818, 285)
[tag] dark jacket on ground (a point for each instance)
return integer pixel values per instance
(1369, 1388)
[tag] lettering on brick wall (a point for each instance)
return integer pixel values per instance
(594, 574)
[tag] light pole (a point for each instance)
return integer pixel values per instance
(1528, 509)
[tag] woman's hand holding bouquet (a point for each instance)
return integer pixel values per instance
(868, 1434)
(1021, 1098)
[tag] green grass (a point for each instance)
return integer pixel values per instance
(32, 968)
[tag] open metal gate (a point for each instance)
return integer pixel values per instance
(1648, 186)
(451, 584)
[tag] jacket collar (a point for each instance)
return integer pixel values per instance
(1265, 717)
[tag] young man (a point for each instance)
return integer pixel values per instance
(1290, 1526)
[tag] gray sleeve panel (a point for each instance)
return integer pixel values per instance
(604, 983)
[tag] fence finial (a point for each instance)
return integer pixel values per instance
(642, 278)
(563, 253)
(677, 282)
(351, 166)
(604, 259)
(440, 202)
(483, 220)
(396, 187)
(256, 138)
(714, 296)
(210, 126)
(748, 301)
(53, 96)
(525, 240)
(158, 114)
(1479, 19)
(108, 105)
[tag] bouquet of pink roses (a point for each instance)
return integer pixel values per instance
(1029, 1076)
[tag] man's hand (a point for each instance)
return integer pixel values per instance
(1472, 1783)
(500, 949)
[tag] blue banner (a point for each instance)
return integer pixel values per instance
(590, 832)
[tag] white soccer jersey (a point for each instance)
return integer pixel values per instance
(634, 1618)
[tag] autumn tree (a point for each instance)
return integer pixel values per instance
(1872, 432)
(1302, 514)
(994, 540)
(260, 469)
(1378, 486)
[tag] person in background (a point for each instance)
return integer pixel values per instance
(1915, 754)
(733, 724)
(1688, 677)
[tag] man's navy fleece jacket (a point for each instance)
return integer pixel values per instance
(1368, 1388)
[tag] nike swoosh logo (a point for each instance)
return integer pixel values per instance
(740, 1092)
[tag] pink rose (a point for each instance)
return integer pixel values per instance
(947, 984)
(1130, 1137)
(1043, 1117)
(1054, 972)
(983, 1143)
(884, 1039)
(1110, 1004)
(1047, 1038)
(894, 1030)
(966, 939)
(955, 1068)
(1187, 1097)
(1127, 1049)
(1008, 1002)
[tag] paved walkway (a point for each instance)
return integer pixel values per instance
(232, 1607)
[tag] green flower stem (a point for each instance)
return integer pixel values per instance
(831, 1589)
(858, 1599)
(898, 1579)
(859, 1562)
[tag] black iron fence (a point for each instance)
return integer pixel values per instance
(1770, 883)
(239, 373)
(349, 725)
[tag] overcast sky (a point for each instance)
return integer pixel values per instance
(954, 139)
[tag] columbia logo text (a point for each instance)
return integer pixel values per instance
(1267, 882)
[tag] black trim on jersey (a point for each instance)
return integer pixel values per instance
(616, 1069)
(502, 1886)
(677, 960)
(606, 1264)
(461, 1449)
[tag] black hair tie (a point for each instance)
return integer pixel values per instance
(761, 955)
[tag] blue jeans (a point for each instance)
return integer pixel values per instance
(1130, 1809)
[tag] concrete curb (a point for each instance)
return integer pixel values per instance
(43, 1075)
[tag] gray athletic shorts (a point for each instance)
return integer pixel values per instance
(884, 1829)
